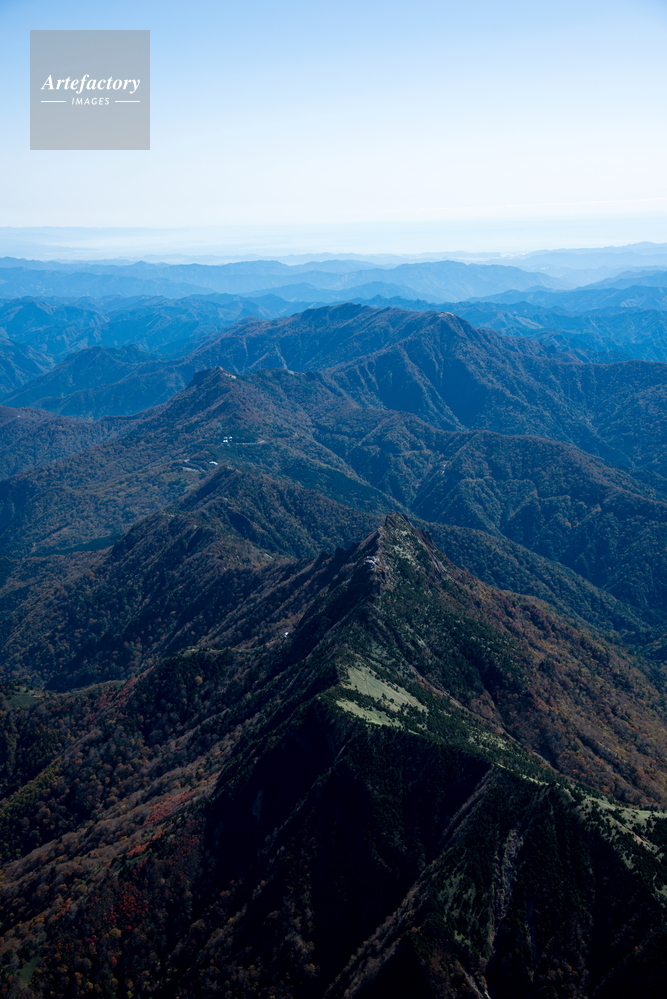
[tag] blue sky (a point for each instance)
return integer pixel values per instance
(312, 113)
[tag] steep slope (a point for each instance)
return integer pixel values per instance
(177, 577)
(191, 574)
(548, 497)
(511, 566)
(434, 365)
(603, 336)
(449, 374)
(356, 808)
(309, 341)
(317, 338)
(559, 503)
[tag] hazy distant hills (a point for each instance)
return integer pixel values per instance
(17, 282)
(338, 668)
(445, 279)
(171, 310)
(645, 254)
(654, 277)
(622, 317)
(591, 298)
(160, 325)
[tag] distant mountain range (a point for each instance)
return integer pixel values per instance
(62, 312)
(444, 279)
(71, 247)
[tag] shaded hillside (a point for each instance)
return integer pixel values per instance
(105, 489)
(356, 808)
(189, 575)
(510, 566)
(452, 376)
(309, 341)
(262, 736)
(559, 503)
(549, 497)
(116, 381)
(32, 437)
(603, 336)
(177, 577)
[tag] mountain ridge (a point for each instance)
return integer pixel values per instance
(392, 791)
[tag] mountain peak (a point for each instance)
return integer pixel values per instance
(400, 548)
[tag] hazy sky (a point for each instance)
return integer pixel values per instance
(283, 112)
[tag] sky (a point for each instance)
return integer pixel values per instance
(480, 124)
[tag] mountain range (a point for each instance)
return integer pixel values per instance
(618, 318)
(444, 278)
(333, 656)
